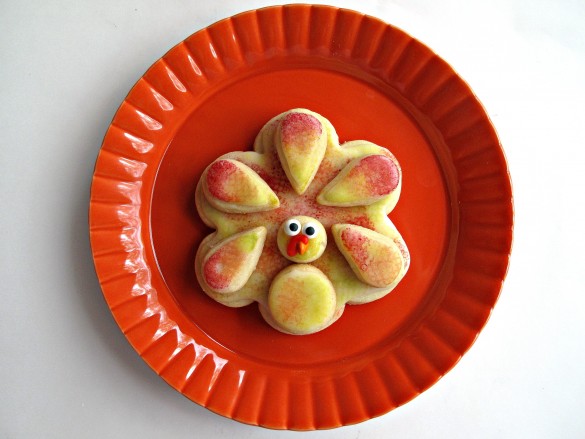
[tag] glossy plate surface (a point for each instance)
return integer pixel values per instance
(210, 95)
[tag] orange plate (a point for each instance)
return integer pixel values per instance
(210, 95)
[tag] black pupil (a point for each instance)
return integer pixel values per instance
(293, 227)
(310, 231)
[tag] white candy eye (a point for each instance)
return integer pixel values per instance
(292, 227)
(310, 230)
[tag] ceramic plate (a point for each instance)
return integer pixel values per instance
(210, 95)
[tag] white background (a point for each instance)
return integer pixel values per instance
(66, 370)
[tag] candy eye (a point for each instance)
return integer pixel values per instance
(310, 230)
(292, 227)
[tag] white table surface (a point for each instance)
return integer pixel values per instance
(66, 370)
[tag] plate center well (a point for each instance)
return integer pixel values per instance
(228, 120)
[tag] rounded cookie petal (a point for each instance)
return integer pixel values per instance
(302, 299)
(374, 258)
(301, 142)
(233, 187)
(228, 265)
(362, 182)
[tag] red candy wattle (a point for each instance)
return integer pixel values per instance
(292, 249)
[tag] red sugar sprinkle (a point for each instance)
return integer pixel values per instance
(356, 244)
(364, 221)
(217, 175)
(211, 271)
(404, 252)
(278, 183)
(380, 172)
(300, 128)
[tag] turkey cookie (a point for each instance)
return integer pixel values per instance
(301, 224)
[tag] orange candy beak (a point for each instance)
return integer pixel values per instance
(297, 245)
